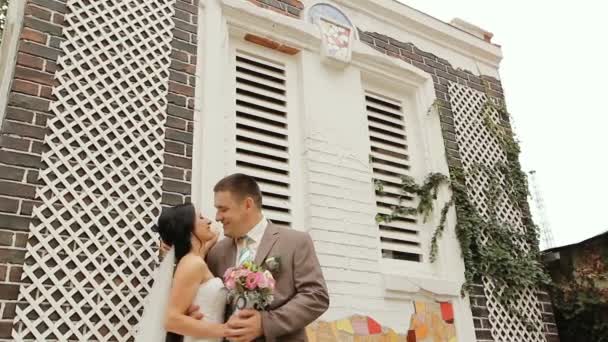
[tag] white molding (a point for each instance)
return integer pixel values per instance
(409, 284)
(8, 50)
(243, 17)
(426, 27)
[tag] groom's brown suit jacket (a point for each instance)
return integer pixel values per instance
(300, 294)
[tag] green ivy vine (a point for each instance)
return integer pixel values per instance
(502, 258)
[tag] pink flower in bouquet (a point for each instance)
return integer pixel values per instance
(270, 282)
(228, 273)
(262, 280)
(241, 273)
(252, 281)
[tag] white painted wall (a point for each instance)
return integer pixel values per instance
(8, 50)
(330, 148)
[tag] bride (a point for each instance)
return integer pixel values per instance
(190, 235)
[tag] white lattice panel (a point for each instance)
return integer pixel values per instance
(90, 253)
(479, 147)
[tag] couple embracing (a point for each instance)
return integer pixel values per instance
(189, 299)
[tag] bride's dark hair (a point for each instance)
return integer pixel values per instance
(175, 226)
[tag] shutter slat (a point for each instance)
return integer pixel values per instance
(400, 247)
(400, 236)
(389, 168)
(262, 137)
(259, 173)
(383, 117)
(275, 189)
(279, 87)
(261, 125)
(262, 149)
(387, 128)
(260, 71)
(261, 103)
(389, 147)
(261, 91)
(387, 138)
(388, 158)
(263, 161)
(266, 115)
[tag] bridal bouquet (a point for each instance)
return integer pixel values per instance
(249, 286)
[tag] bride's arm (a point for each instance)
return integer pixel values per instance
(189, 274)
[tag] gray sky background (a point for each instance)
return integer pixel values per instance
(554, 72)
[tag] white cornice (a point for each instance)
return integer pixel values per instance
(243, 18)
(426, 27)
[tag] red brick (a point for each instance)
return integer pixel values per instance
(184, 67)
(54, 5)
(16, 189)
(186, 7)
(46, 92)
(9, 291)
(12, 143)
(181, 89)
(35, 36)
(39, 50)
(25, 87)
(24, 130)
(15, 274)
(3, 272)
(9, 205)
(6, 329)
(37, 12)
(29, 61)
(58, 19)
(18, 114)
(34, 76)
(20, 240)
(50, 67)
(6, 238)
(29, 102)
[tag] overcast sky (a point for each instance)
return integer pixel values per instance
(555, 74)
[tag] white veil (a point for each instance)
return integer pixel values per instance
(151, 328)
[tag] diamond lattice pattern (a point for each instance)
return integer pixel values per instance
(90, 255)
(479, 147)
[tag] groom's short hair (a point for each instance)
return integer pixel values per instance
(242, 186)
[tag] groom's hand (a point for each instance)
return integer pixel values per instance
(245, 326)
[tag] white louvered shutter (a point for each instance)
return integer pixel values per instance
(400, 238)
(262, 148)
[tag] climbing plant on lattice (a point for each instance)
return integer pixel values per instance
(90, 254)
(483, 157)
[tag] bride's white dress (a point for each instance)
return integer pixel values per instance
(211, 298)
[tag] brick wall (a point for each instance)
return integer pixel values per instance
(22, 142)
(177, 171)
(292, 8)
(24, 127)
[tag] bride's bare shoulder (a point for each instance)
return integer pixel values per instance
(193, 268)
(192, 265)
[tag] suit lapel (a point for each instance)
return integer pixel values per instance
(271, 235)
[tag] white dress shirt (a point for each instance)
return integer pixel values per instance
(255, 235)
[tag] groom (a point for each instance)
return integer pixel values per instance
(300, 294)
